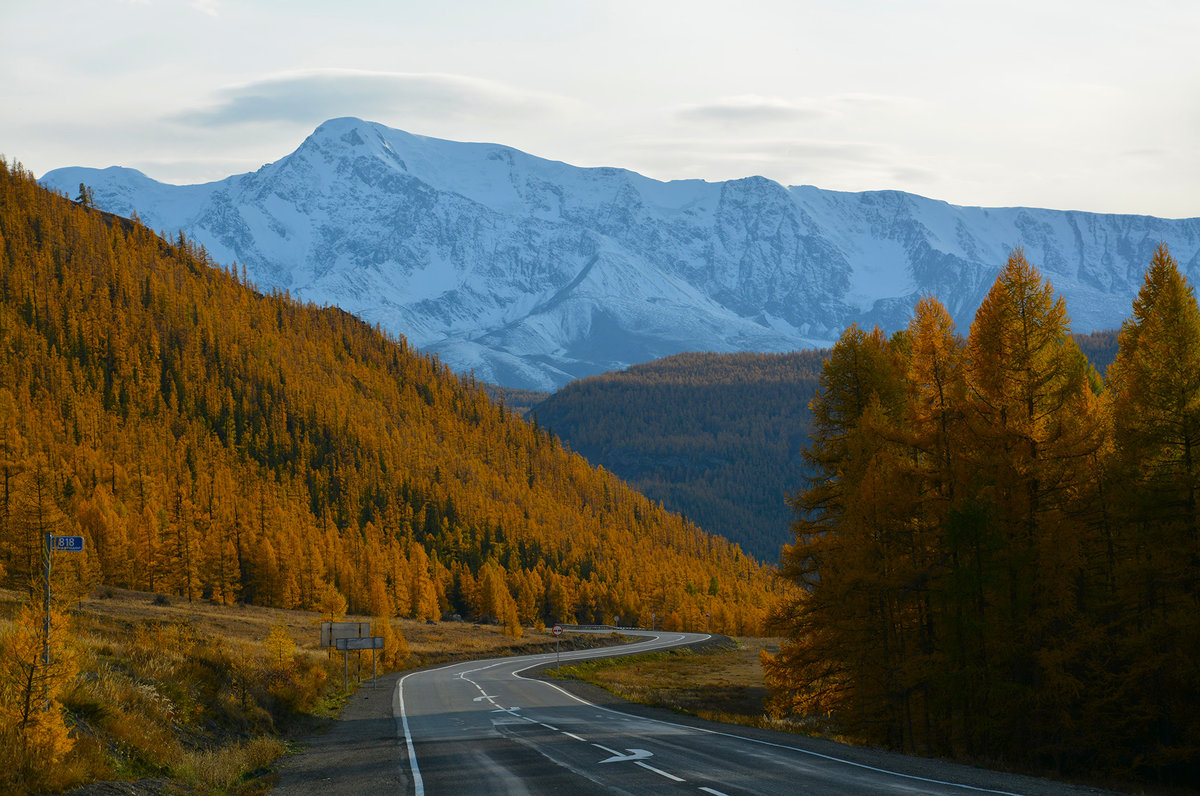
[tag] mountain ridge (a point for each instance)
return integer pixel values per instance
(530, 273)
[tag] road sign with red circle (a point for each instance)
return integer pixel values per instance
(557, 630)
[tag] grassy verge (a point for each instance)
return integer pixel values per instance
(718, 683)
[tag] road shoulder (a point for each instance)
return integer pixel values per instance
(359, 753)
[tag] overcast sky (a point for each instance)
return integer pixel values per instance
(1090, 105)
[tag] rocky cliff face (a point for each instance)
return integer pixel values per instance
(532, 273)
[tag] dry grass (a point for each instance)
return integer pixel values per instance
(723, 684)
(224, 769)
(428, 643)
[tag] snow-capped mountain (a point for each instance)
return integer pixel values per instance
(531, 272)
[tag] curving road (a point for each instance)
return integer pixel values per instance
(482, 727)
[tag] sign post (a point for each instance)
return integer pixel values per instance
(371, 643)
(67, 544)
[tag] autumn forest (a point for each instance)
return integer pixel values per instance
(214, 443)
(998, 554)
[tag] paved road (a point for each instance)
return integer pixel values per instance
(487, 727)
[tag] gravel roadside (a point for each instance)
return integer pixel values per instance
(359, 753)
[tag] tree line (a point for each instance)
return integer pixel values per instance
(998, 553)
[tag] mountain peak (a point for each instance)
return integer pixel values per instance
(531, 272)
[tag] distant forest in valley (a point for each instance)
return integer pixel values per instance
(716, 437)
(1100, 348)
(214, 443)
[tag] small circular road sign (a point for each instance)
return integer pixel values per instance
(557, 630)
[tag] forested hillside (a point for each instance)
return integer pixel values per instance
(999, 557)
(715, 436)
(214, 443)
(1100, 348)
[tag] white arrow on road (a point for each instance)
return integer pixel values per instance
(634, 754)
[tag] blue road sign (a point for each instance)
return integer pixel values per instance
(69, 544)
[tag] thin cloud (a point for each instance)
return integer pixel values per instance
(771, 150)
(208, 7)
(305, 97)
(841, 165)
(749, 109)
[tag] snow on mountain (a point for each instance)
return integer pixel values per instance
(532, 272)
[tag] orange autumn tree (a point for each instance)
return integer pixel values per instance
(1155, 587)
(1034, 420)
(824, 668)
(34, 735)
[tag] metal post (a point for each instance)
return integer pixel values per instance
(346, 671)
(46, 624)
(372, 668)
(557, 660)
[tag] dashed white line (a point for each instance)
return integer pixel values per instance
(576, 737)
(712, 791)
(658, 771)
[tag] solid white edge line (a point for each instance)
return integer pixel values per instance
(418, 783)
(517, 673)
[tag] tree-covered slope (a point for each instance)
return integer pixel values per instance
(213, 442)
(715, 436)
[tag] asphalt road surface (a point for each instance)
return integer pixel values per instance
(491, 727)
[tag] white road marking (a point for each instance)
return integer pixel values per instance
(659, 771)
(576, 737)
(634, 754)
(713, 792)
